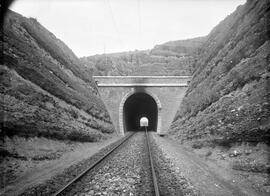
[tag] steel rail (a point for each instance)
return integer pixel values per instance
(78, 177)
(155, 182)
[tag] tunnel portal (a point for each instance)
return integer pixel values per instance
(137, 106)
(121, 94)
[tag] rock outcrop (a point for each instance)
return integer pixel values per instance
(228, 97)
(45, 89)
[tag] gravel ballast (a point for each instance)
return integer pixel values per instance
(51, 186)
(125, 172)
(170, 182)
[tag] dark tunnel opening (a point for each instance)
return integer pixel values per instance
(137, 106)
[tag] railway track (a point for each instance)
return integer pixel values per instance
(155, 182)
(149, 182)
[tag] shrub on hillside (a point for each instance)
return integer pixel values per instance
(250, 166)
(83, 136)
(197, 145)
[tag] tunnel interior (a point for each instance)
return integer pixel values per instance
(137, 106)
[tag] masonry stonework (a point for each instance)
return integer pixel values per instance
(167, 91)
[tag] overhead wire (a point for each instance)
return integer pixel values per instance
(139, 17)
(114, 23)
(139, 21)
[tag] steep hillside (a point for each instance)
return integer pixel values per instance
(45, 90)
(171, 58)
(227, 103)
(179, 48)
(228, 97)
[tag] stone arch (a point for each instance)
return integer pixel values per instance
(121, 109)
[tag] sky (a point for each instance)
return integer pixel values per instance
(92, 27)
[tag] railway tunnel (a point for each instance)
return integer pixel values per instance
(127, 98)
(137, 106)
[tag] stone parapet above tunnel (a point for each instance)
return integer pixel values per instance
(142, 80)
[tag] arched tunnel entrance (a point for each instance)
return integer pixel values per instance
(137, 106)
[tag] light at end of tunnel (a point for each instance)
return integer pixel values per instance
(144, 122)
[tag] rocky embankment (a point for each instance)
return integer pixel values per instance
(227, 102)
(45, 90)
(171, 58)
